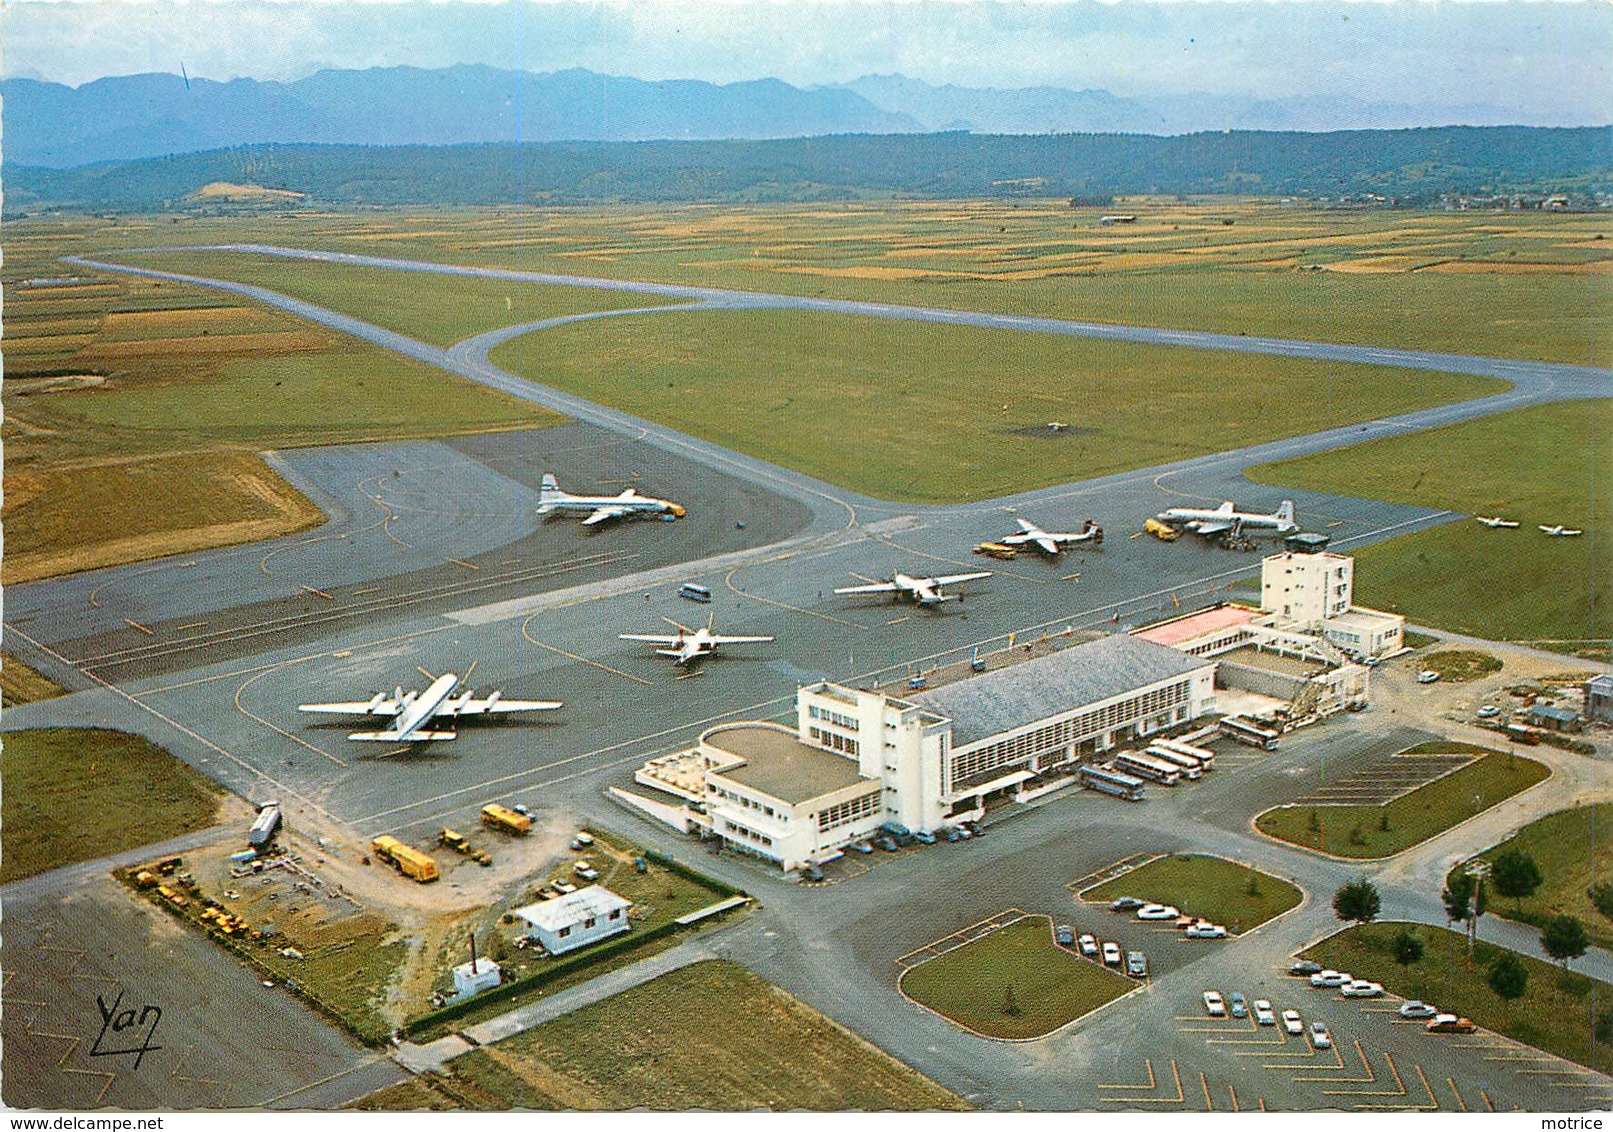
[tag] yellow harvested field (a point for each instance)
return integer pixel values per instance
(1376, 265)
(186, 318)
(883, 272)
(277, 342)
(46, 327)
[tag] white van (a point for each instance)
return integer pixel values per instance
(694, 592)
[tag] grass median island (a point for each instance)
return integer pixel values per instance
(708, 1036)
(1531, 466)
(75, 794)
(1236, 896)
(1574, 851)
(1014, 983)
(1558, 1012)
(1373, 831)
(922, 412)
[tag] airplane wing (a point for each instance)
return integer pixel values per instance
(949, 579)
(494, 705)
(873, 588)
(1049, 545)
(1210, 527)
(736, 640)
(602, 513)
(394, 737)
(385, 707)
(650, 638)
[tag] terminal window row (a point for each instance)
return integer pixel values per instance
(733, 830)
(748, 803)
(833, 741)
(849, 722)
(844, 813)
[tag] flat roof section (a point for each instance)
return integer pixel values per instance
(779, 764)
(1273, 662)
(1185, 628)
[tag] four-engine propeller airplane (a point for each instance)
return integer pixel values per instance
(1227, 519)
(924, 591)
(602, 507)
(689, 644)
(412, 711)
(1052, 542)
(1496, 521)
(1560, 531)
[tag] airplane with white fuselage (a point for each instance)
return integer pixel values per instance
(1052, 542)
(1561, 532)
(602, 507)
(1227, 519)
(924, 591)
(1496, 521)
(689, 644)
(411, 712)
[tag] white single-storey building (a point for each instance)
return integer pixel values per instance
(576, 919)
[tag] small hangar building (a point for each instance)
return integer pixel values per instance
(576, 919)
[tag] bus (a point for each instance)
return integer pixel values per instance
(1205, 756)
(1147, 766)
(1112, 782)
(1248, 731)
(694, 592)
(1187, 764)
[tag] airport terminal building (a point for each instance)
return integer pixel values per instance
(858, 759)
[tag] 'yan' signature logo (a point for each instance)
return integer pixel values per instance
(126, 1031)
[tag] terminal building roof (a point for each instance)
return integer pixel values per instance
(779, 764)
(1022, 694)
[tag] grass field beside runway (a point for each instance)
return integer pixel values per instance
(75, 794)
(1013, 982)
(1558, 1012)
(1541, 465)
(1233, 895)
(921, 412)
(1414, 817)
(20, 684)
(1574, 851)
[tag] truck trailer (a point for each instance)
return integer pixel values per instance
(505, 820)
(412, 863)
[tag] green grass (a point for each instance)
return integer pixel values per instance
(78, 794)
(1013, 983)
(1357, 831)
(1461, 665)
(922, 412)
(20, 684)
(439, 309)
(1537, 466)
(1210, 887)
(412, 1094)
(708, 1036)
(1574, 850)
(1556, 1012)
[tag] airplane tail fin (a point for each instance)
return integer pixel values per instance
(549, 493)
(1225, 508)
(1285, 513)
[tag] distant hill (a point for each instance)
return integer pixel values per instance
(1413, 165)
(156, 115)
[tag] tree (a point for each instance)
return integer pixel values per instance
(1509, 978)
(1515, 875)
(1602, 897)
(1458, 897)
(1565, 938)
(1010, 1003)
(1358, 901)
(1408, 949)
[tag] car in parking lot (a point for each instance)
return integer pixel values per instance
(1450, 1024)
(923, 838)
(1489, 711)
(1361, 988)
(887, 843)
(1427, 676)
(1214, 1005)
(1111, 954)
(1206, 931)
(1417, 1009)
(1125, 904)
(1320, 1038)
(1330, 978)
(1064, 934)
(1306, 967)
(1089, 945)
(1263, 1014)
(1236, 1005)
(1291, 1022)
(1157, 912)
(1136, 964)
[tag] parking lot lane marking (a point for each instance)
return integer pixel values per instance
(1109, 872)
(1488, 1103)
(968, 934)
(1209, 1105)
(1371, 1078)
(1457, 1093)
(1262, 1102)
(573, 656)
(1281, 1039)
(1148, 1062)
(1179, 1098)
(1233, 1093)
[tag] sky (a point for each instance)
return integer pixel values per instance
(1551, 56)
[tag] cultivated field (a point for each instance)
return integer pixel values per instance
(1574, 851)
(709, 1036)
(77, 794)
(1236, 896)
(1536, 466)
(1560, 1012)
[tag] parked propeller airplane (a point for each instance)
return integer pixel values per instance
(1052, 542)
(412, 711)
(1227, 519)
(689, 644)
(1560, 532)
(925, 591)
(602, 507)
(1496, 521)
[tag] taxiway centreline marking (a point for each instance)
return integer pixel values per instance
(728, 580)
(278, 730)
(583, 659)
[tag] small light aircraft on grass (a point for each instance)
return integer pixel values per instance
(689, 644)
(1052, 542)
(1496, 521)
(1560, 532)
(628, 504)
(412, 711)
(924, 591)
(1228, 520)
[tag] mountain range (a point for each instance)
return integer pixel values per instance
(154, 115)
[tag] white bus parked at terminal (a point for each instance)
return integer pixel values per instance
(1149, 767)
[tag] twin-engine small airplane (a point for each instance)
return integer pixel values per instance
(689, 644)
(924, 591)
(1052, 542)
(1495, 521)
(1227, 519)
(412, 711)
(1561, 532)
(602, 507)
